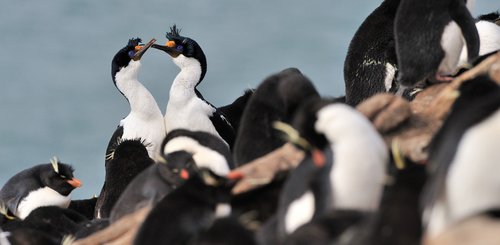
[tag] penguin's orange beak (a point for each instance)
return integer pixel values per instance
(318, 158)
(184, 174)
(235, 175)
(75, 182)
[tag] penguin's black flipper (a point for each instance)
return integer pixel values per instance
(234, 110)
(461, 15)
(85, 207)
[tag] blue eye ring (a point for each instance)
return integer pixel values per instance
(179, 47)
(131, 53)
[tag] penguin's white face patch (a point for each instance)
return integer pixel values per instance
(203, 156)
(299, 212)
(45, 196)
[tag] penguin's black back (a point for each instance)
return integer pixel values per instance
(479, 98)
(129, 159)
(370, 49)
(151, 185)
(234, 111)
(183, 214)
(418, 29)
(85, 207)
(274, 100)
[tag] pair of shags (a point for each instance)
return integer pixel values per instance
(42, 185)
(463, 158)
(414, 41)
(145, 121)
(184, 153)
(199, 115)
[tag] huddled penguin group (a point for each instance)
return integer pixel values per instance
(347, 188)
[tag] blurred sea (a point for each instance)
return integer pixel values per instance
(57, 96)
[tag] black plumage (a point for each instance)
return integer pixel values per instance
(275, 99)
(128, 159)
(186, 212)
(371, 50)
(419, 27)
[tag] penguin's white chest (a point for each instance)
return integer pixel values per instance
(45, 196)
(299, 212)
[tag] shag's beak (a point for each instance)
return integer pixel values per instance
(75, 182)
(169, 49)
(142, 50)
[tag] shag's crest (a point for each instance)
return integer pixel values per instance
(134, 42)
(174, 32)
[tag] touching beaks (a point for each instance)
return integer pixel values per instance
(170, 48)
(140, 50)
(75, 182)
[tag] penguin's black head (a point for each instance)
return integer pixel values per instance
(179, 166)
(59, 177)
(178, 46)
(132, 51)
(304, 119)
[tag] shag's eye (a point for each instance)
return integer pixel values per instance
(131, 53)
(179, 47)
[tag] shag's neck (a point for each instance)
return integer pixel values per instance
(140, 99)
(185, 82)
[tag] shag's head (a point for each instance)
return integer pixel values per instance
(132, 51)
(180, 47)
